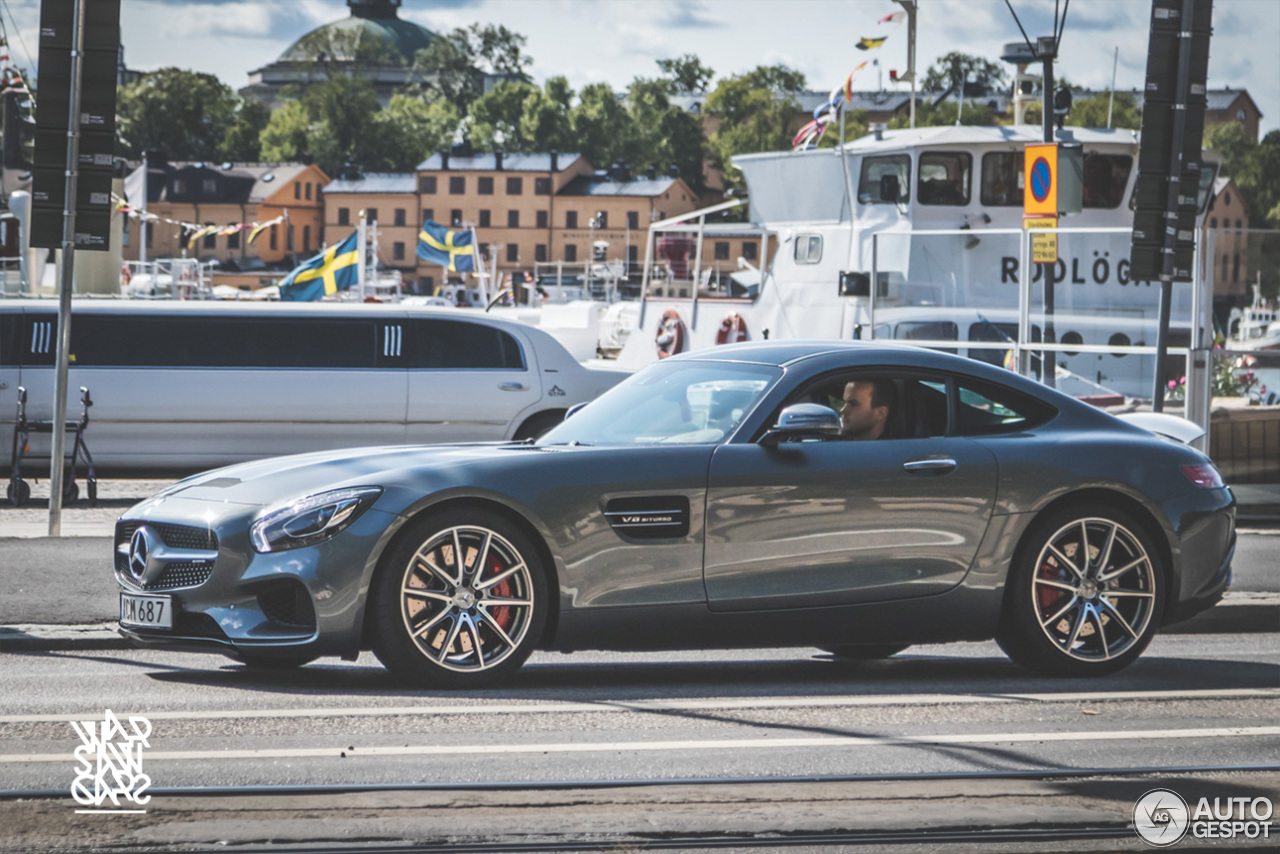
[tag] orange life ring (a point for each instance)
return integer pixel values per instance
(732, 329)
(671, 334)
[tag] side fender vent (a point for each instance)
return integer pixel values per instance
(658, 517)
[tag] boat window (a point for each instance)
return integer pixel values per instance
(1105, 177)
(944, 178)
(1002, 179)
(927, 330)
(456, 344)
(885, 180)
(118, 340)
(1072, 338)
(808, 248)
(985, 409)
(985, 330)
(1119, 339)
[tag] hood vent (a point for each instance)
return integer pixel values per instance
(656, 517)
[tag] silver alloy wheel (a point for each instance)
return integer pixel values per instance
(466, 598)
(1093, 589)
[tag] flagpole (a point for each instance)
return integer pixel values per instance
(363, 252)
(478, 265)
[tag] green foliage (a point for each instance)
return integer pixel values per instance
(687, 73)
(755, 114)
(663, 134)
(927, 115)
(497, 114)
(328, 48)
(957, 65)
(182, 113)
(243, 140)
(545, 121)
(601, 124)
(287, 134)
(407, 131)
(776, 78)
(1254, 166)
(453, 66)
(1092, 112)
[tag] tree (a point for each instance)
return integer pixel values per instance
(987, 76)
(687, 73)
(776, 78)
(755, 114)
(454, 65)
(663, 133)
(287, 135)
(545, 122)
(185, 114)
(243, 141)
(497, 115)
(406, 131)
(601, 124)
(975, 113)
(1092, 112)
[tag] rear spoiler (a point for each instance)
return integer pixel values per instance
(1163, 424)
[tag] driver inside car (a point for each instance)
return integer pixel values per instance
(867, 409)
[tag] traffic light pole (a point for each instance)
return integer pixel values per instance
(1047, 51)
(58, 444)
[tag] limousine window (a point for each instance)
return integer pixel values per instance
(107, 340)
(454, 344)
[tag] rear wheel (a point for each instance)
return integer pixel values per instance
(1086, 592)
(460, 602)
(865, 652)
(18, 492)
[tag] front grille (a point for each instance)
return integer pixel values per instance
(287, 603)
(174, 536)
(181, 574)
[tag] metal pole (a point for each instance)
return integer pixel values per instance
(59, 436)
(362, 235)
(1048, 358)
(1112, 100)
(142, 237)
(1176, 166)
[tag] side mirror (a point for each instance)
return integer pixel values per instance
(573, 409)
(803, 421)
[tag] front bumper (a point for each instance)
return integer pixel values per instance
(299, 603)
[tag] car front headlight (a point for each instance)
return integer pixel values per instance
(311, 519)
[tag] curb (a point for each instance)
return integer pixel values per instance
(1237, 613)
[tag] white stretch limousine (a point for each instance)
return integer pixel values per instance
(181, 387)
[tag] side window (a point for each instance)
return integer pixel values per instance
(457, 344)
(1002, 179)
(808, 248)
(944, 178)
(1105, 177)
(885, 180)
(986, 409)
(915, 404)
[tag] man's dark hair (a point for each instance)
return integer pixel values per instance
(884, 393)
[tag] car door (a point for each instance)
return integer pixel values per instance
(468, 381)
(838, 522)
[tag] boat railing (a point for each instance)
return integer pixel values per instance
(165, 278)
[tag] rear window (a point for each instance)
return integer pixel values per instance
(985, 409)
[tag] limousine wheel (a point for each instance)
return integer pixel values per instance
(1086, 592)
(538, 425)
(865, 652)
(460, 601)
(18, 492)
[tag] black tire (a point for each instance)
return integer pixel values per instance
(437, 624)
(276, 663)
(535, 426)
(93, 493)
(18, 492)
(865, 652)
(70, 491)
(1061, 619)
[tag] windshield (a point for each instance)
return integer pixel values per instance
(681, 402)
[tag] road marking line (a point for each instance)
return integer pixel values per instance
(658, 746)
(709, 704)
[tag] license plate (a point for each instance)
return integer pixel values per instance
(152, 612)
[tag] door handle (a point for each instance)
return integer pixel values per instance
(934, 465)
(513, 386)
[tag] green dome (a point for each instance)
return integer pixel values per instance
(373, 33)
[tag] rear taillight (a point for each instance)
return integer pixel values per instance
(1204, 476)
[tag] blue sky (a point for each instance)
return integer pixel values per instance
(616, 40)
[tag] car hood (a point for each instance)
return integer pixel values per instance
(265, 482)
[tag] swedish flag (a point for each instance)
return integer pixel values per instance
(335, 269)
(450, 249)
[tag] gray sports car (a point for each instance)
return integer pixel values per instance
(853, 497)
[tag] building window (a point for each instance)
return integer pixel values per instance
(427, 185)
(633, 220)
(540, 253)
(308, 192)
(484, 186)
(515, 186)
(571, 252)
(146, 229)
(428, 214)
(297, 190)
(513, 253)
(1226, 260)
(457, 185)
(210, 240)
(1235, 267)
(344, 216)
(602, 219)
(513, 219)
(749, 251)
(1213, 222)
(570, 219)
(1226, 198)
(722, 250)
(371, 215)
(306, 238)
(542, 186)
(484, 219)
(233, 240)
(397, 251)
(542, 219)
(455, 217)
(179, 186)
(399, 217)
(484, 251)
(275, 240)
(1239, 224)
(210, 186)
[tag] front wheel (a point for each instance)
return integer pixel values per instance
(1085, 594)
(460, 602)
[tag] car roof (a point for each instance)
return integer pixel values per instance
(783, 353)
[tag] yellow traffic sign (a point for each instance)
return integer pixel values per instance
(1040, 180)
(1044, 244)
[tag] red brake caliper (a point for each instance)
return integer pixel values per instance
(1050, 596)
(502, 590)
